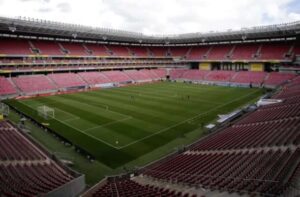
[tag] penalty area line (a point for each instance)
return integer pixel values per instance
(79, 130)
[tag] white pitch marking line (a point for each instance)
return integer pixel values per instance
(109, 123)
(70, 119)
(154, 95)
(161, 131)
(98, 139)
(198, 115)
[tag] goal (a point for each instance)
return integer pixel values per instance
(46, 112)
(4, 109)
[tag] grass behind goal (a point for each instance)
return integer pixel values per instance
(122, 124)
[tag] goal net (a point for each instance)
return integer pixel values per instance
(4, 109)
(46, 112)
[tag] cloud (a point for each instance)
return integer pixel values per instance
(158, 16)
(43, 9)
(64, 7)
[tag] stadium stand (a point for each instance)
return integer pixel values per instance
(33, 83)
(150, 74)
(47, 47)
(116, 76)
(274, 51)
(158, 51)
(194, 75)
(179, 51)
(247, 77)
(137, 75)
(74, 49)
(257, 155)
(220, 52)
(244, 51)
(161, 73)
(6, 88)
(97, 49)
(25, 170)
(129, 188)
(276, 133)
(66, 80)
(93, 78)
(30, 84)
(278, 78)
(225, 76)
(139, 51)
(119, 50)
(177, 73)
(198, 53)
(15, 47)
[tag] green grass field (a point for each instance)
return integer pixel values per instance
(122, 125)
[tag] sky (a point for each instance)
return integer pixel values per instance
(158, 17)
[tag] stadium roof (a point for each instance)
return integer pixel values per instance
(36, 27)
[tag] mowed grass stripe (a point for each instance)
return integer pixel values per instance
(118, 128)
(74, 126)
(149, 116)
(170, 99)
(204, 95)
(139, 104)
(123, 108)
(75, 109)
(188, 106)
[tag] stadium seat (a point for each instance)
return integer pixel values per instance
(15, 47)
(6, 88)
(67, 80)
(116, 76)
(25, 170)
(34, 83)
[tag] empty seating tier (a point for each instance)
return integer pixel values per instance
(197, 53)
(24, 169)
(34, 83)
(74, 49)
(274, 51)
(93, 78)
(117, 76)
(137, 75)
(31, 180)
(278, 78)
(14, 146)
(225, 76)
(219, 52)
(119, 50)
(266, 172)
(194, 75)
(47, 47)
(248, 77)
(158, 51)
(66, 80)
(244, 51)
(129, 188)
(276, 133)
(139, 51)
(179, 51)
(97, 50)
(15, 47)
(6, 88)
(161, 73)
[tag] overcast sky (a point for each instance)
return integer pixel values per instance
(158, 16)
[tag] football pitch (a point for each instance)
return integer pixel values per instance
(119, 125)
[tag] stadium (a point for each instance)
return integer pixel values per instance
(88, 111)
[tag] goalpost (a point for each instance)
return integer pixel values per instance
(4, 109)
(46, 112)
